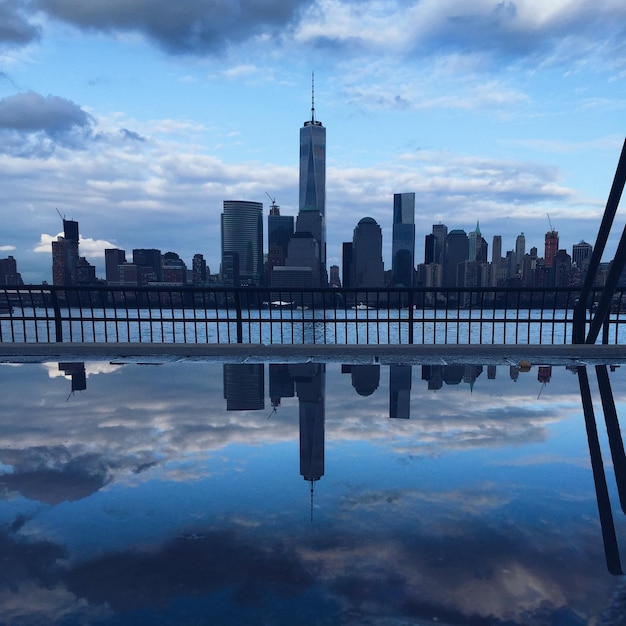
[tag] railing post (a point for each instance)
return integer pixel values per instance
(239, 316)
(58, 326)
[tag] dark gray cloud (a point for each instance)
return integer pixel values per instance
(14, 26)
(32, 125)
(31, 112)
(195, 26)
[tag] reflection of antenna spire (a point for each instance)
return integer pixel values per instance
(312, 491)
(312, 96)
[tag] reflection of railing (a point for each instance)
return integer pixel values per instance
(334, 316)
(618, 457)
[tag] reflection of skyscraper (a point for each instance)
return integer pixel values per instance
(77, 373)
(365, 378)
(244, 386)
(313, 180)
(242, 235)
(400, 391)
(403, 240)
(310, 386)
(281, 383)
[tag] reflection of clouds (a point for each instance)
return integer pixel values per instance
(462, 553)
(91, 368)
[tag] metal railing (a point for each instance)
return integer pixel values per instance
(43, 313)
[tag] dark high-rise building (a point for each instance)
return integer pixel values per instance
(113, 258)
(551, 247)
(334, 280)
(279, 230)
(430, 249)
(8, 272)
(581, 254)
(367, 254)
(65, 255)
(199, 270)
(440, 231)
(150, 258)
(242, 234)
(346, 261)
(403, 240)
(456, 252)
(313, 177)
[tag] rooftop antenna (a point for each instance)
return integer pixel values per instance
(312, 96)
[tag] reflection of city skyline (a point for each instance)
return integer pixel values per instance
(388, 516)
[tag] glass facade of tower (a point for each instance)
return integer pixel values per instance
(403, 240)
(313, 166)
(242, 236)
(313, 179)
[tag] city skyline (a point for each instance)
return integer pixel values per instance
(510, 114)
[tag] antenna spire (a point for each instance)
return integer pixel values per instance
(312, 96)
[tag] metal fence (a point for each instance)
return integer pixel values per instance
(43, 313)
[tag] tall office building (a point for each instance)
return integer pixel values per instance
(400, 391)
(581, 254)
(367, 254)
(113, 258)
(313, 180)
(403, 240)
(551, 247)
(455, 253)
(440, 231)
(8, 272)
(242, 237)
(279, 231)
(496, 249)
(520, 251)
(65, 255)
(149, 258)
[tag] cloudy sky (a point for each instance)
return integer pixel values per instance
(139, 118)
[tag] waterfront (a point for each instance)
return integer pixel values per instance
(179, 492)
(287, 326)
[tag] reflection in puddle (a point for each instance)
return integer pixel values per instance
(311, 493)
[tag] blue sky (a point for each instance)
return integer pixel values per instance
(139, 118)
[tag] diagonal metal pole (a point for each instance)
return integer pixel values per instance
(609, 537)
(598, 250)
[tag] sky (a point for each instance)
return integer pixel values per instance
(138, 119)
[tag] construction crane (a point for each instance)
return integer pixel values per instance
(273, 207)
(550, 222)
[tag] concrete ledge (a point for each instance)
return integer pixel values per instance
(281, 353)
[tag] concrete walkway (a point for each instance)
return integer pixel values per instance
(281, 353)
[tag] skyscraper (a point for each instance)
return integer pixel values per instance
(65, 255)
(367, 254)
(279, 231)
(242, 240)
(313, 180)
(113, 258)
(456, 252)
(403, 240)
(551, 247)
